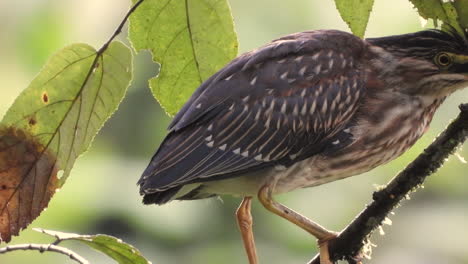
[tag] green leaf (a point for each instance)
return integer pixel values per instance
(68, 102)
(430, 9)
(462, 9)
(444, 11)
(52, 122)
(356, 14)
(190, 39)
(113, 247)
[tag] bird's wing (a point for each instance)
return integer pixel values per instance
(273, 106)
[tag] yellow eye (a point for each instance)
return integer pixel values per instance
(443, 59)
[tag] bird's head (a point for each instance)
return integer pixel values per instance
(430, 62)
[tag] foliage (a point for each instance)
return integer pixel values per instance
(191, 40)
(355, 13)
(445, 11)
(52, 122)
(115, 248)
(453, 15)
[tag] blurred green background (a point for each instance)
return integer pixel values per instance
(101, 196)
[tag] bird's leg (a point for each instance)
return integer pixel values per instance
(323, 235)
(244, 220)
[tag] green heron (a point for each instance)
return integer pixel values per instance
(304, 110)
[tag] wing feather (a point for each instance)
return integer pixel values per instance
(277, 105)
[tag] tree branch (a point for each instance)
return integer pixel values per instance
(46, 247)
(350, 242)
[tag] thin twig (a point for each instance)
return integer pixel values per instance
(355, 236)
(46, 247)
(108, 42)
(119, 28)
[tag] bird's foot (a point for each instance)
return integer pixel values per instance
(245, 222)
(324, 250)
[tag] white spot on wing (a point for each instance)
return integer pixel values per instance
(298, 59)
(236, 151)
(258, 157)
(245, 99)
(316, 55)
(301, 124)
(282, 61)
(278, 122)
(210, 144)
(253, 81)
(198, 106)
(303, 70)
(296, 110)
(257, 116)
(223, 147)
(304, 108)
(338, 97)
(318, 68)
(208, 138)
(333, 105)
(210, 127)
(358, 92)
(245, 154)
(324, 106)
(320, 89)
(313, 106)
(284, 75)
(228, 78)
(317, 125)
(272, 106)
(267, 123)
(336, 142)
(283, 107)
(280, 167)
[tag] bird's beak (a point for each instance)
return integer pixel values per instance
(461, 59)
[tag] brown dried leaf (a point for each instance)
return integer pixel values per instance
(28, 179)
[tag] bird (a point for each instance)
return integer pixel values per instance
(305, 109)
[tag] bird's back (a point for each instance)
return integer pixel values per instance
(273, 106)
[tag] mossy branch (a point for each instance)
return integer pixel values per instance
(351, 241)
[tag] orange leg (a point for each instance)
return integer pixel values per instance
(323, 235)
(244, 220)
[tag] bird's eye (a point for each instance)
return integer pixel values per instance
(443, 59)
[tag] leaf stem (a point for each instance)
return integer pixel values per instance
(119, 28)
(46, 247)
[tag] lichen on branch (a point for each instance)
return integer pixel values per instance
(350, 242)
